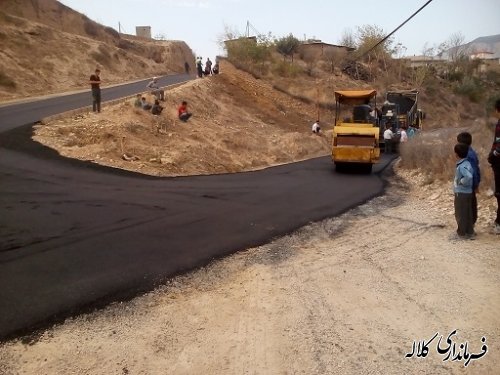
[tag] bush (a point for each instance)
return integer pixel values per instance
(432, 153)
(470, 88)
(285, 69)
(493, 76)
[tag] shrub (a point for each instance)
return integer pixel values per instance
(432, 153)
(493, 76)
(285, 69)
(470, 88)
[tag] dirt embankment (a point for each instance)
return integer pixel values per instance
(239, 123)
(348, 295)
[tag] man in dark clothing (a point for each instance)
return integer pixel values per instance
(199, 68)
(494, 160)
(95, 85)
(157, 108)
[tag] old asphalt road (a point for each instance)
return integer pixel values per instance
(14, 115)
(74, 235)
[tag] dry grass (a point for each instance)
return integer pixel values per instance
(432, 152)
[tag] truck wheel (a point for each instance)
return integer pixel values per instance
(340, 167)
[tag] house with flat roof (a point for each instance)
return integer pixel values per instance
(319, 48)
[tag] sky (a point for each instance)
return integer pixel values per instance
(202, 23)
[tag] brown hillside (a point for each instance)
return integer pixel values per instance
(60, 17)
(48, 48)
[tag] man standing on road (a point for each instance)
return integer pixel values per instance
(95, 85)
(494, 160)
(388, 138)
(156, 90)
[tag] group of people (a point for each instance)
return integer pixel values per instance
(467, 179)
(208, 68)
(391, 139)
(140, 101)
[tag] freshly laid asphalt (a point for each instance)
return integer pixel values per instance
(75, 235)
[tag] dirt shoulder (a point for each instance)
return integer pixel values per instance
(348, 295)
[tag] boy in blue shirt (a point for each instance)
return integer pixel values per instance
(462, 188)
(466, 138)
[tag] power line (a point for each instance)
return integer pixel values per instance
(396, 29)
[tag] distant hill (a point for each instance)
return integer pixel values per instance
(485, 44)
(48, 47)
(482, 44)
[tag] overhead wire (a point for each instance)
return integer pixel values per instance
(396, 29)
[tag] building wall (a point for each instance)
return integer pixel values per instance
(318, 49)
(143, 31)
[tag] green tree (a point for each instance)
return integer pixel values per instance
(287, 46)
(367, 36)
(247, 53)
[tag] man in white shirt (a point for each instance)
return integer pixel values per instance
(155, 89)
(316, 128)
(404, 136)
(388, 136)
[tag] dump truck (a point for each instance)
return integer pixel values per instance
(401, 109)
(355, 133)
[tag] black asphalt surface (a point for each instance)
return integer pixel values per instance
(75, 235)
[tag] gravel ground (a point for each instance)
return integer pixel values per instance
(348, 295)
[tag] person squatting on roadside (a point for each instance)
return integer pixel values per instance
(183, 113)
(145, 105)
(316, 128)
(466, 138)
(155, 89)
(215, 69)
(157, 108)
(462, 189)
(494, 160)
(95, 86)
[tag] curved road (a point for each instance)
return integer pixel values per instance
(75, 235)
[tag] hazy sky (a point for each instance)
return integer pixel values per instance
(201, 23)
